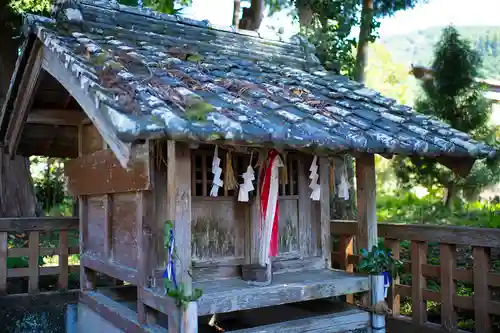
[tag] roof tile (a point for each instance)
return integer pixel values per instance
(189, 80)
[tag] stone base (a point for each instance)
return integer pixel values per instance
(90, 321)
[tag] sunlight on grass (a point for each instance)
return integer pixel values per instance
(53, 261)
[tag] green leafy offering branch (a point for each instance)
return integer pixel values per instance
(379, 261)
(178, 292)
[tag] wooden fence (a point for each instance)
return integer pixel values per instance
(471, 246)
(31, 229)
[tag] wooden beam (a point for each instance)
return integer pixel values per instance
(101, 173)
(117, 314)
(182, 222)
(53, 65)
(307, 246)
(116, 271)
(482, 293)
(326, 238)
(349, 320)
(34, 257)
(366, 195)
(56, 117)
(255, 212)
(26, 224)
(482, 237)
(146, 254)
(3, 262)
(21, 63)
(24, 99)
(179, 202)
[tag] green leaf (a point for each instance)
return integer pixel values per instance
(198, 111)
(194, 58)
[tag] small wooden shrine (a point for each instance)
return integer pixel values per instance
(199, 156)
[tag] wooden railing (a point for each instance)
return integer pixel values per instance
(27, 232)
(464, 256)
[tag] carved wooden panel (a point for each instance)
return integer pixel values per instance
(124, 229)
(218, 229)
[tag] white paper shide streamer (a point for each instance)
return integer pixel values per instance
(344, 185)
(217, 172)
(247, 186)
(314, 185)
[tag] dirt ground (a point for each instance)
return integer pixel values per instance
(35, 314)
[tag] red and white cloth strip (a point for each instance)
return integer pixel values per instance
(269, 206)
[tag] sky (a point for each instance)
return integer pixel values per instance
(434, 13)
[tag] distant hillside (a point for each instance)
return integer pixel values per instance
(417, 47)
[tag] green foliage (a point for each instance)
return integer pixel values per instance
(409, 209)
(21, 262)
(386, 76)
(164, 6)
(179, 294)
(379, 261)
(455, 97)
(417, 46)
(48, 179)
(331, 27)
(30, 6)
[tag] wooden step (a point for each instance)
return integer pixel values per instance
(228, 295)
(305, 317)
(333, 323)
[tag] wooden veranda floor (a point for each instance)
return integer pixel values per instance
(234, 294)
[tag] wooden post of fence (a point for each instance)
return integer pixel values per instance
(418, 304)
(447, 267)
(34, 255)
(345, 251)
(393, 297)
(63, 260)
(482, 319)
(3, 263)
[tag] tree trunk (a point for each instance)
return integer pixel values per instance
(305, 15)
(17, 194)
(451, 195)
(252, 16)
(364, 38)
(236, 13)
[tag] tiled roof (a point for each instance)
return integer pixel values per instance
(158, 75)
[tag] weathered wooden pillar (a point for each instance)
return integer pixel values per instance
(179, 212)
(366, 201)
(255, 213)
(326, 237)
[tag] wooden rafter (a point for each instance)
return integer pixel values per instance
(24, 99)
(56, 117)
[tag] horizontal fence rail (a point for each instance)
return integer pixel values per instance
(28, 231)
(465, 256)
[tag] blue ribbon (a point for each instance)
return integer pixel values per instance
(387, 279)
(170, 270)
